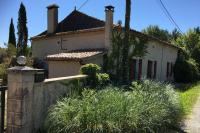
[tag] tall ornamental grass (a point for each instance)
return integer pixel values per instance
(148, 107)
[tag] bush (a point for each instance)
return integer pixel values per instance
(186, 70)
(90, 69)
(149, 107)
(103, 79)
(95, 79)
(3, 74)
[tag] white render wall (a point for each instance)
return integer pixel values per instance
(162, 54)
(43, 47)
(70, 68)
(63, 68)
(159, 52)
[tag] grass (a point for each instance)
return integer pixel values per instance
(148, 107)
(188, 97)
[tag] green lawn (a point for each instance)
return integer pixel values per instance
(188, 97)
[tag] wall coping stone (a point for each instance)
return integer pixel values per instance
(64, 78)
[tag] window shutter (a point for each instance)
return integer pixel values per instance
(168, 69)
(149, 69)
(133, 69)
(140, 69)
(155, 69)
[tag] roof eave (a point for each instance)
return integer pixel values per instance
(69, 33)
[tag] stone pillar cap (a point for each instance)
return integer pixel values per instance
(22, 69)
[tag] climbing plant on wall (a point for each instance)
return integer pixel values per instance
(113, 63)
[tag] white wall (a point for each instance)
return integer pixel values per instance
(96, 60)
(159, 52)
(84, 41)
(43, 47)
(162, 54)
(70, 68)
(63, 68)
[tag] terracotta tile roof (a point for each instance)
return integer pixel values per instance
(73, 56)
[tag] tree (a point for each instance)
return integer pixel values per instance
(22, 31)
(157, 32)
(12, 38)
(125, 64)
(190, 40)
(185, 69)
(188, 59)
(175, 34)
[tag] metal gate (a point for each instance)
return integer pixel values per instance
(2, 108)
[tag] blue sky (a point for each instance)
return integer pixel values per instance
(144, 13)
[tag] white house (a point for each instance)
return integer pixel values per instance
(81, 39)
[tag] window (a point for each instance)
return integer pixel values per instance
(155, 69)
(149, 69)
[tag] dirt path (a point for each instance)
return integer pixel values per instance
(192, 124)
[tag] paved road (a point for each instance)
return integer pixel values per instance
(192, 124)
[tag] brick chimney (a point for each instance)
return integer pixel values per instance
(52, 18)
(109, 10)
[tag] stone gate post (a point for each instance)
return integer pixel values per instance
(20, 95)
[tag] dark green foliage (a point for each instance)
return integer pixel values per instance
(95, 79)
(185, 69)
(12, 38)
(148, 108)
(22, 31)
(90, 69)
(196, 54)
(103, 79)
(3, 54)
(113, 63)
(113, 60)
(11, 51)
(190, 44)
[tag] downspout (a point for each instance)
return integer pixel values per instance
(161, 64)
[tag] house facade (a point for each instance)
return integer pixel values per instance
(80, 39)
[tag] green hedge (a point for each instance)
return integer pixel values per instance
(186, 70)
(148, 107)
(95, 79)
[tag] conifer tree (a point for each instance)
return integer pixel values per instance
(12, 38)
(22, 31)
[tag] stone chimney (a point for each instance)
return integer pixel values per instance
(109, 10)
(52, 18)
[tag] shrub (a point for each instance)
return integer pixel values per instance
(103, 79)
(95, 78)
(90, 69)
(149, 107)
(186, 70)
